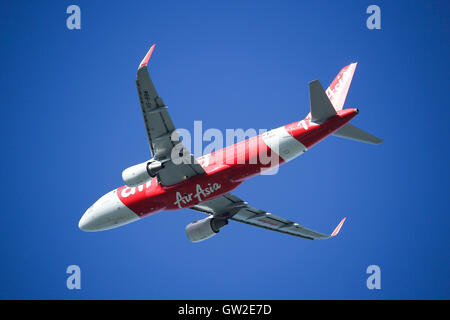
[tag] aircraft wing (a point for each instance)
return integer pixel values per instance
(231, 207)
(161, 132)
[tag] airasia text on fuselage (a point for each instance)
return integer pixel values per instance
(200, 194)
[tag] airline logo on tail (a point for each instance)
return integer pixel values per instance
(338, 89)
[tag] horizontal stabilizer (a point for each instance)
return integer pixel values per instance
(353, 133)
(321, 107)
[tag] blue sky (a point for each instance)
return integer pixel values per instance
(71, 122)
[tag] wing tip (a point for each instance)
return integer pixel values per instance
(338, 228)
(379, 141)
(144, 61)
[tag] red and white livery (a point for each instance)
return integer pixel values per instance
(173, 179)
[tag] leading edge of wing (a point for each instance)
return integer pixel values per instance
(144, 61)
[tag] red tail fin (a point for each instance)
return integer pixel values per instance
(338, 89)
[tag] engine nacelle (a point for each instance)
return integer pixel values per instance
(141, 173)
(203, 229)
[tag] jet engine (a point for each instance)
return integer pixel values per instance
(141, 173)
(203, 229)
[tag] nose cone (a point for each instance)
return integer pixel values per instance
(107, 213)
(87, 222)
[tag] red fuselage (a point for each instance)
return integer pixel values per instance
(227, 168)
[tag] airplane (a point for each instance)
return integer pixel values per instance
(173, 179)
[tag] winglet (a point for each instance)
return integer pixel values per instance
(338, 228)
(147, 57)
